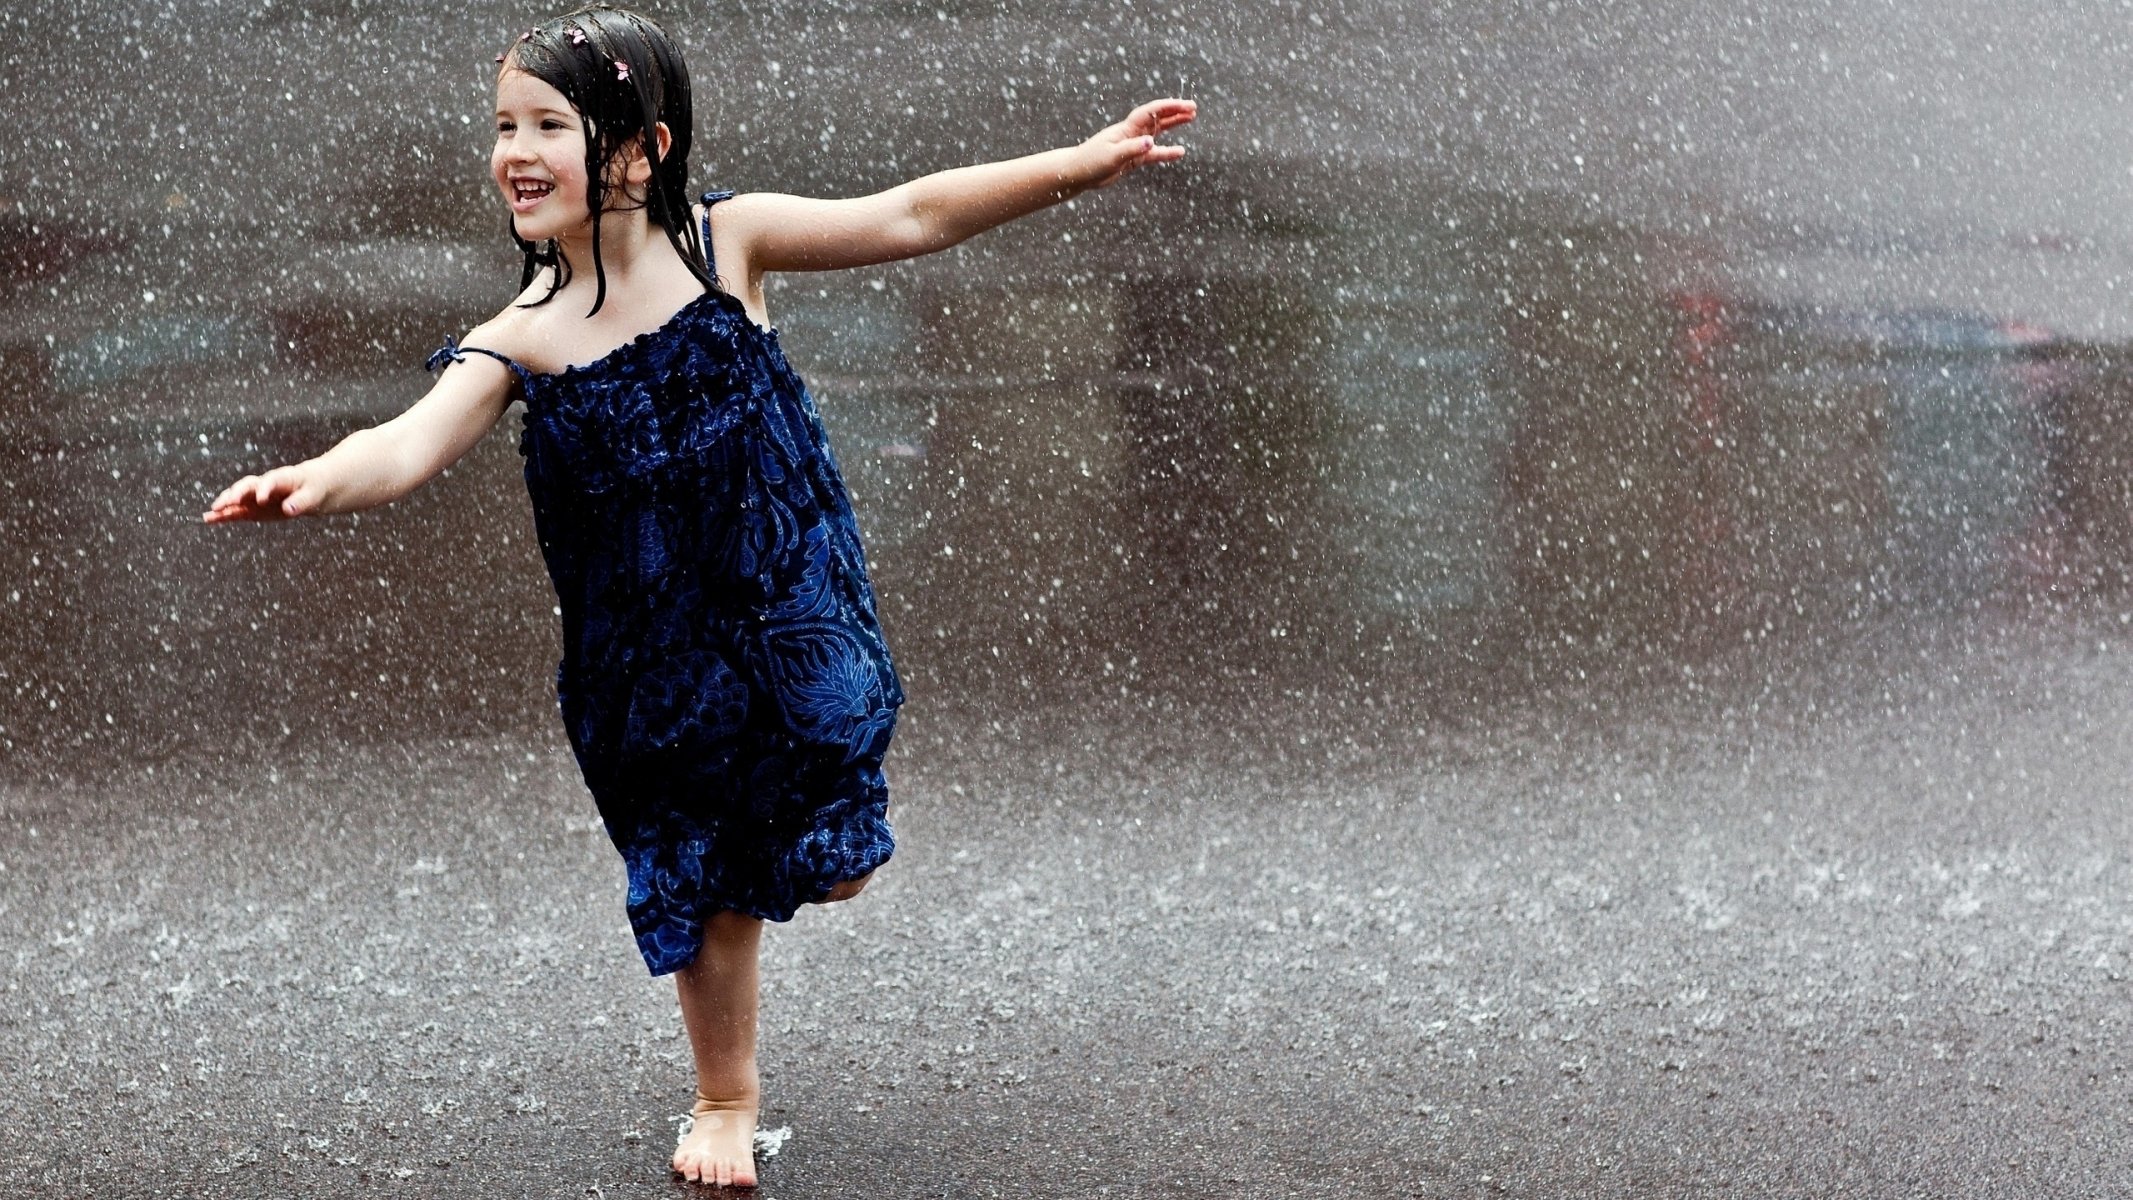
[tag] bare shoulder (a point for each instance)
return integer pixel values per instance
(736, 225)
(517, 332)
(740, 223)
(749, 209)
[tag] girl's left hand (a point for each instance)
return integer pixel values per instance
(1132, 142)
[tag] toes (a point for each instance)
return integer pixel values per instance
(692, 1165)
(710, 1155)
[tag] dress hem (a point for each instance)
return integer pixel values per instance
(667, 965)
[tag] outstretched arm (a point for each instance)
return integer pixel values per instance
(378, 465)
(794, 233)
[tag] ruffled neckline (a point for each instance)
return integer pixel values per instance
(636, 345)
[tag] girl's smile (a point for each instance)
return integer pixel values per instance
(526, 192)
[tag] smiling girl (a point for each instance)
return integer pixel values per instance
(724, 682)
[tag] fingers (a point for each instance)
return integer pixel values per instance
(229, 503)
(272, 484)
(1130, 152)
(228, 494)
(1157, 116)
(235, 510)
(301, 501)
(1133, 140)
(281, 492)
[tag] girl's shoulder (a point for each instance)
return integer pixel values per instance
(522, 322)
(732, 248)
(517, 331)
(728, 223)
(740, 217)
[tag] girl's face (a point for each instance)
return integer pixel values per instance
(539, 159)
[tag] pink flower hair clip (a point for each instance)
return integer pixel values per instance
(523, 38)
(622, 71)
(577, 36)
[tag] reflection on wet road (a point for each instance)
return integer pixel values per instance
(1521, 451)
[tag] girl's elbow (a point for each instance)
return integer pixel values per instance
(915, 234)
(921, 224)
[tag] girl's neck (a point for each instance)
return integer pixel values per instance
(628, 242)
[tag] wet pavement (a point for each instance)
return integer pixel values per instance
(1547, 616)
(1790, 924)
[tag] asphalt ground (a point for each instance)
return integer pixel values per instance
(1821, 922)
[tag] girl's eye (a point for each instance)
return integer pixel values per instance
(503, 127)
(551, 125)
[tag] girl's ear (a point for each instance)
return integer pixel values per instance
(636, 167)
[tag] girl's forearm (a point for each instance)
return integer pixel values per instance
(363, 470)
(952, 206)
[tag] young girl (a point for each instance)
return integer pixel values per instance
(724, 683)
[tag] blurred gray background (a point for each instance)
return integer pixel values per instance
(1599, 531)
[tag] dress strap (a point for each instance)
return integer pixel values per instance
(452, 352)
(711, 198)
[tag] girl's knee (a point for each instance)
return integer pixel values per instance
(727, 923)
(848, 889)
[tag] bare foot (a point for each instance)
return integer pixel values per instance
(720, 1148)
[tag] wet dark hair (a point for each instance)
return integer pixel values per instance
(576, 54)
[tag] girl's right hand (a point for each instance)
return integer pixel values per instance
(281, 492)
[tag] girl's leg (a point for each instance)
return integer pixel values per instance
(848, 889)
(718, 1008)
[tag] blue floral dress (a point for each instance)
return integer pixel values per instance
(724, 681)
